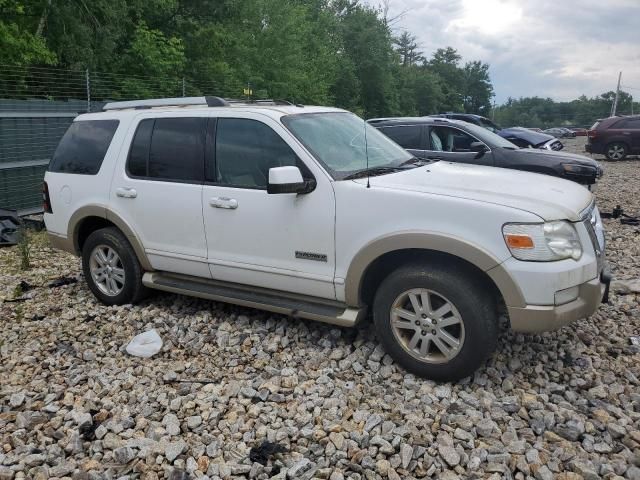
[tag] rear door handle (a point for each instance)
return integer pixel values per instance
(123, 192)
(224, 202)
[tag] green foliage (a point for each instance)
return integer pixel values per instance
(19, 42)
(545, 113)
(24, 248)
(477, 90)
(331, 52)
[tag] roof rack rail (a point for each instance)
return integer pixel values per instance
(187, 102)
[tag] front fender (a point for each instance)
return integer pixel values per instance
(432, 241)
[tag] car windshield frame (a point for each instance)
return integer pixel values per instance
(346, 132)
(490, 138)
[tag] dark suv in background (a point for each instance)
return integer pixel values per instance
(435, 139)
(615, 137)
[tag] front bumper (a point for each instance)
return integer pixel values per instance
(541, 318)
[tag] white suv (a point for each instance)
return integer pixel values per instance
(312, 213)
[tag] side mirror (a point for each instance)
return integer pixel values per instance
(288, 180)
(478, 147)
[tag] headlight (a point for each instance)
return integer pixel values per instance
(542, 242)
(579, 169)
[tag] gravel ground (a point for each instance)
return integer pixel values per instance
(74, 404)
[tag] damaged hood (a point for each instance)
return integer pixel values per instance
(547, 197)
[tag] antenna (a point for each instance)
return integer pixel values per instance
(366, 152)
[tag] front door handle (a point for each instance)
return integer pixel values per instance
(224, 202)
(123, 192)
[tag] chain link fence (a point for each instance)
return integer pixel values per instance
(37, 105)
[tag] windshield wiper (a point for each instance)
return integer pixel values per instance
(418, 162)
(372, 172)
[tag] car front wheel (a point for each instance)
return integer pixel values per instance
(616, 151)
(436, 322)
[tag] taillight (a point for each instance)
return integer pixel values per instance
(46, 201)
(591, 133)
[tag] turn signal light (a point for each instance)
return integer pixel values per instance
(518, 241)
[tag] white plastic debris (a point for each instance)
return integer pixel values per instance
(145, 344)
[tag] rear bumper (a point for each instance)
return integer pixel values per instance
(61, 243)
(593, 148)
(541, 318)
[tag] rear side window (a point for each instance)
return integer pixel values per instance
(83, 147)
(628, 123)
(407, 136)
(170, 149)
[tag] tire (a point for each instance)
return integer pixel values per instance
(125, 270)
(472, 304)
(616, 151)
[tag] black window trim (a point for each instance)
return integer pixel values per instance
(455, 128)
(306, 172)
(106, 152)
(160, 179)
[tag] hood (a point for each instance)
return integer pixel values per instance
(554, 156)
(548, 197)
(534, 138)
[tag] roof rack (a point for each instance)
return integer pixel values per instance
(188, 102)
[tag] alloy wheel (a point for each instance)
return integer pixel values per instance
(107, 270)
(427, 325)
(615, 152)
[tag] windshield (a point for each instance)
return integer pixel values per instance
(490, 138)
(337, 140)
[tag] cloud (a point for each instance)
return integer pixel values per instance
(550, 48)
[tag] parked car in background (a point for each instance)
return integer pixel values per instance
(534, 129)
(560, 132)
(526, 138)
(523, 137)
(457, 141)
(312, 213)
(579, 131)
(615, 137)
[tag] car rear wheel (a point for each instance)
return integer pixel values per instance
(436, 322)
(616, 151)
(111, 268)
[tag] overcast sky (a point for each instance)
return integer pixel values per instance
(551, 48)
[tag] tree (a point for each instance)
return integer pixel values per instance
(407, 48)
(19, 42)
(477, 90)
(444, 64)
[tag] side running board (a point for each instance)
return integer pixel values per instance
(293, 305)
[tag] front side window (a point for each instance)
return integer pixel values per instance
(170, 149)
(407, 136)
(337, 140)
(83, 147)
(447, 139)
(245, 151)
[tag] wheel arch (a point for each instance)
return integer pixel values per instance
(90, 218)
(379, 257)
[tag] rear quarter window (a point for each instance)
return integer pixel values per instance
(83, 147)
